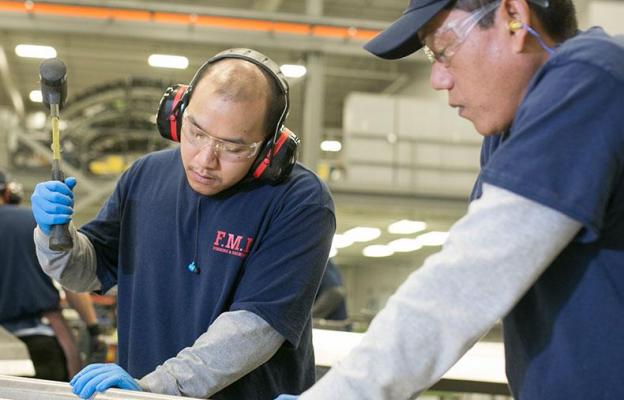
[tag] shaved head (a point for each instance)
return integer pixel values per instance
(242, 81)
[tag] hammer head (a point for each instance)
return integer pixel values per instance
(53, 76)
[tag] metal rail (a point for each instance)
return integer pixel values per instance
(14, 388)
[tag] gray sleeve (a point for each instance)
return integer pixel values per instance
(74, 269)
(491, 257)
(235, 344)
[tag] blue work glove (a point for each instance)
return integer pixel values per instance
(286, 397)
(99, 377)
(53, 203)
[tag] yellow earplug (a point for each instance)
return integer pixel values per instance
(515, 25)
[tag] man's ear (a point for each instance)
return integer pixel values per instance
(515, 14)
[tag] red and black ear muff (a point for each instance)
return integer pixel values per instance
(170, 110)
(277, 158)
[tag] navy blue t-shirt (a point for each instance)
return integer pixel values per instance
(25, 290)
(565, 150)
(258, 247)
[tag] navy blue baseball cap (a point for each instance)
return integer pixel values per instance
(401, 38)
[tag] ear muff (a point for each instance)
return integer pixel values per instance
(278, 155)
(170, 109)
(515, 25)
(276, 159)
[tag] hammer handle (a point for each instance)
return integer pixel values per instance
(60, 239)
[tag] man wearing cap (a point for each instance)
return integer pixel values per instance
(542, 244)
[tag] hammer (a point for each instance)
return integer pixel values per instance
(53, 76)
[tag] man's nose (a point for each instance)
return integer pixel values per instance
(209, 153)
(441, 78)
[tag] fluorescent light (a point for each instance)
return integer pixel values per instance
(377, 250)
(341, 241)
(406, 227)
(331, 145)
(293, 70)
(333, 252)
(36, 96)
(433, 238)
(35, 51)
(405, 245)
(168, 61)
(362, 233)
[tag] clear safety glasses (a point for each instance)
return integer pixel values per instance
(225, 150)
(442, 44)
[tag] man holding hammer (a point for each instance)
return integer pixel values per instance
(217, 247)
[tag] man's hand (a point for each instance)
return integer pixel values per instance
(99, 377)
(53, 203)
(286, 397)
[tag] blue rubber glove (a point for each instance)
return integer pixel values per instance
(99, 377)
(53, 203)
(286, 397)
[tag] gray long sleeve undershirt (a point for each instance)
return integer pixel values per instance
(235, 344)
(491, 258)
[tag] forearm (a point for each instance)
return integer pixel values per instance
(81, 302)
(493, 255)
(74, 269)
(327, 302)
(235, 344)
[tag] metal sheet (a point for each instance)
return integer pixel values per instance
(14, 388)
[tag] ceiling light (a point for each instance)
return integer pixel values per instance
(168, 61)
(341, 241)
(405, 245)
(35, 51)
(377, 250)
(433, 238)
(333, 252)
(36, 96)
(362, 233)
(293, 70)
(36, 120)
(331, 145)
(406, 227)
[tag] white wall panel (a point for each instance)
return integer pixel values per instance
(434, 152)
(608, 14)
(369, 114)
(370, 175)
(364, 149)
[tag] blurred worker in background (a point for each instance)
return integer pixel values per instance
(216, 246)
(542, 244)
(29, 303)
(330, 304)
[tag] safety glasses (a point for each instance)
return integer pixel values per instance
(441, 45)
(225, 150)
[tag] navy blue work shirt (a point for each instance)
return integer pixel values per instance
(258, 247)
(25, 290)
